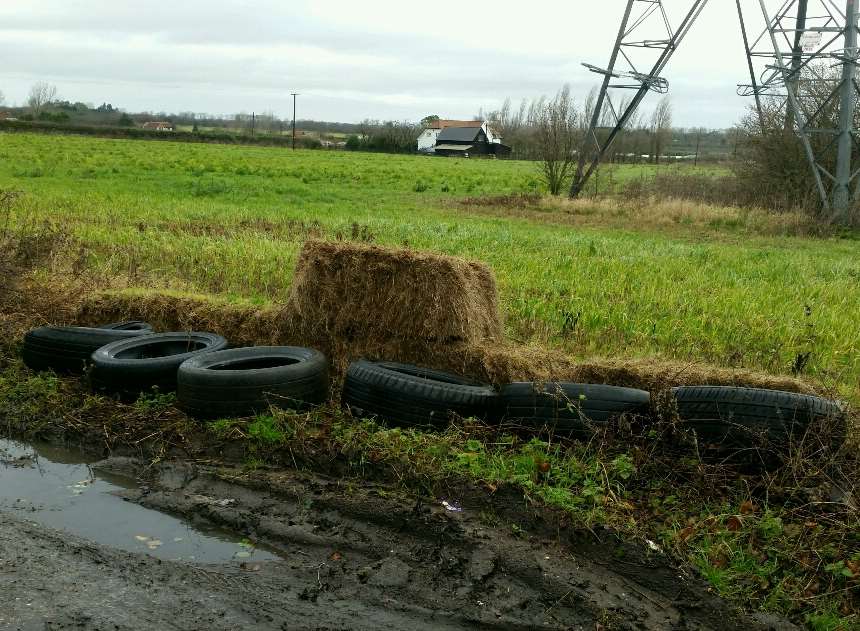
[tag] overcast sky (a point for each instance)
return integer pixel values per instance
(350, 60)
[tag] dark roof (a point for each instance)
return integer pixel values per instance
(459, 134)
(443, 123)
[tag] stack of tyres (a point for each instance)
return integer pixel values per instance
(730, 418)
(128, 359)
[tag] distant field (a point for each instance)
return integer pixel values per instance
(677, 281)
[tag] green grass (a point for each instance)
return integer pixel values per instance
(230, 220)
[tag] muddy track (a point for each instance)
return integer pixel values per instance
(365, 557)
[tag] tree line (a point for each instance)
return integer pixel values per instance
(648, 136)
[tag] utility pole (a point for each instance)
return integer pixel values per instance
(698, 138)
(295, 94)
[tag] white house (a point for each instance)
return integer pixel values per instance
(427, 139)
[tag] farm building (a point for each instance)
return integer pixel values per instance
(480, 132)
(159, 125)
(466, 142)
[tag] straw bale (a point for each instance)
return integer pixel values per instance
(373, 296)
(241, 324)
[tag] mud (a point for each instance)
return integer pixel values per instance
(353, 556)
(56, 487)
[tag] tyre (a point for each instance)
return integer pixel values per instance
(245, 381)
(129, 367)
(403, 394)
(570, 408)
(69, 348)
(738, 417)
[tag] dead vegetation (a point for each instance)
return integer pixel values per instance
(650, 209)
(25, 300)
(290, 228)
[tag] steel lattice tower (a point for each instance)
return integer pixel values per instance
(804, 58)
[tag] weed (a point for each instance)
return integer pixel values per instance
(268, 430)
(155, 402)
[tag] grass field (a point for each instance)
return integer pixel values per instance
(678, 281)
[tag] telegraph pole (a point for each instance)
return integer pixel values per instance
(295, 94)
(698, 138)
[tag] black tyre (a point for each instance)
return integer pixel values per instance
(69, 348)
(245, 381)
(410, 395)
(737, 417)
(129, 367)
(570, 408)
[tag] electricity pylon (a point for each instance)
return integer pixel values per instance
(645, 43)
(787, 62)
(804, 60)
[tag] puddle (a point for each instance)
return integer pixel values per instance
(56, 487)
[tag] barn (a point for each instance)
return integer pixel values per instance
(467, 142)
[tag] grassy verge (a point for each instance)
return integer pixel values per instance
(782, 542)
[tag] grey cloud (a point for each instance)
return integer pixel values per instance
(212, 56)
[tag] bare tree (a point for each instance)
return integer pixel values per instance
(661, 127)
(41, 94)
(772, 167)
(557, 131)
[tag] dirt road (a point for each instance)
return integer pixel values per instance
(352, 558)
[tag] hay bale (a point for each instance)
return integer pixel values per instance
(658, 374)
(241, 324)
(372, 297)
(506, 362)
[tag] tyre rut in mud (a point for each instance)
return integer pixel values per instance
(375, 552)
